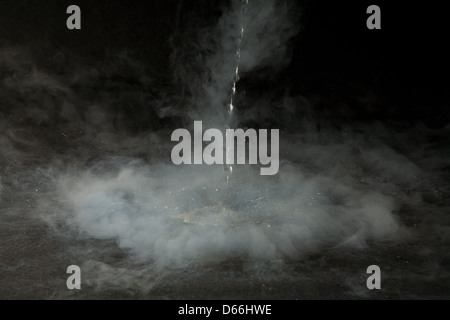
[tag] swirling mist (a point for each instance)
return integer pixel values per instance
(85, 151)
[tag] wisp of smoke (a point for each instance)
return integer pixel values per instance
(205, 67)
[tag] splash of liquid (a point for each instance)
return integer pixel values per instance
(244, 5)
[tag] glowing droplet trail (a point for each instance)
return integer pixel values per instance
(244, 5)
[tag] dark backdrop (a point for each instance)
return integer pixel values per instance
(404, 66)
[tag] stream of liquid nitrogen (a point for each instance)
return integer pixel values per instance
(229, 168)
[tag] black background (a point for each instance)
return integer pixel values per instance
(404, 65)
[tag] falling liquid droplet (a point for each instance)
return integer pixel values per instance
(231, 108)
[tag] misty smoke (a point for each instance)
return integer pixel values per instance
(85, 149)
(149, 210)
(205, 67)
